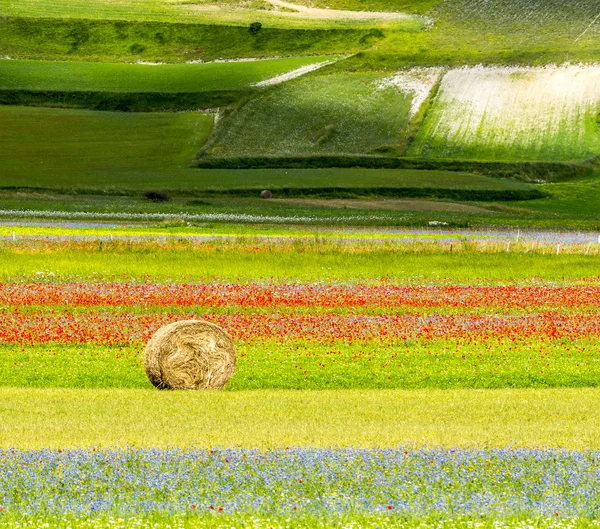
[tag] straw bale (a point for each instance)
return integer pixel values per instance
(191, 354)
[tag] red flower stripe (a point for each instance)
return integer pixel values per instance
(125, 328)
(307, 295)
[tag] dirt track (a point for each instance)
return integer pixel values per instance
(314, 12)
(389, 204)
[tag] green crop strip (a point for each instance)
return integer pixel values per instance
(267, 364)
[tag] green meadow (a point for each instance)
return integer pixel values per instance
(306, 365)
(232, 12)
(107, 77)
(328, 114)
(103, 149)
(306, 260)
(561, 418)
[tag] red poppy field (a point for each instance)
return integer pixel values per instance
(293, 335)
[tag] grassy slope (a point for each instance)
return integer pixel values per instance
(68, 147)
(267, 419)
(76, 150)
(337, 114)
(104, 77)
(580, 196)
(466, 31)
(510, 125)
(228, 13)
(498, 31)
(118, 41)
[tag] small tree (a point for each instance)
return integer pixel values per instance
(255, 27)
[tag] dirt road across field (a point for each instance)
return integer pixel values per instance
(389, 204)
(315, 12)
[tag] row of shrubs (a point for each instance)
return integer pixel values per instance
(526, 171)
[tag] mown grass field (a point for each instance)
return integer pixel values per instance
(103, 149)
(107, 77)
(277, 419)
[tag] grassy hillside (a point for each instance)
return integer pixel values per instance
(75, 150)
(106, 77)
(495, 31)
(118, 41)
(343, 113)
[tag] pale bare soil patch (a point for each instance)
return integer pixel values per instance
(391, 204)
(291, 11)
(316, 12)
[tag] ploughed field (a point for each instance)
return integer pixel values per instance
(375, 385)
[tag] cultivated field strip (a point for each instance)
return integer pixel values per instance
(167, 78)
(514, 113)
(308, 336)
(253, 295)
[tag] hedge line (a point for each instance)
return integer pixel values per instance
(480, 195)
(527, 171)
(123, 102)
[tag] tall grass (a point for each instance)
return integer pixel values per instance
(303, 261)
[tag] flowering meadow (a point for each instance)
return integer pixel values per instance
(468, 338)
(324, 487)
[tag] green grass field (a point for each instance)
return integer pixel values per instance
(270, 419)
(312, 260)
(305, 365)
(68, 146)
(106, 77)
(201, 12)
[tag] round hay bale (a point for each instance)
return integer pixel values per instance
(191, 354)
(266, 194)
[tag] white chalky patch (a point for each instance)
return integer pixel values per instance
(418, 82)
(293, 74)
(504, 105)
